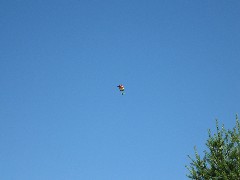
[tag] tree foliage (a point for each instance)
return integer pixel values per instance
(222, 160)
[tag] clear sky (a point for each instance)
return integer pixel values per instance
(61, 114)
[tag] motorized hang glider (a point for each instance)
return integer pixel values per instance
(121, 88)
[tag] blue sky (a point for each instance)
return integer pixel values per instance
(61, 114)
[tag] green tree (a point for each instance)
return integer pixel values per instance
(222, 159)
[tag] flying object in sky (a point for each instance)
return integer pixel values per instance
(121, 88)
